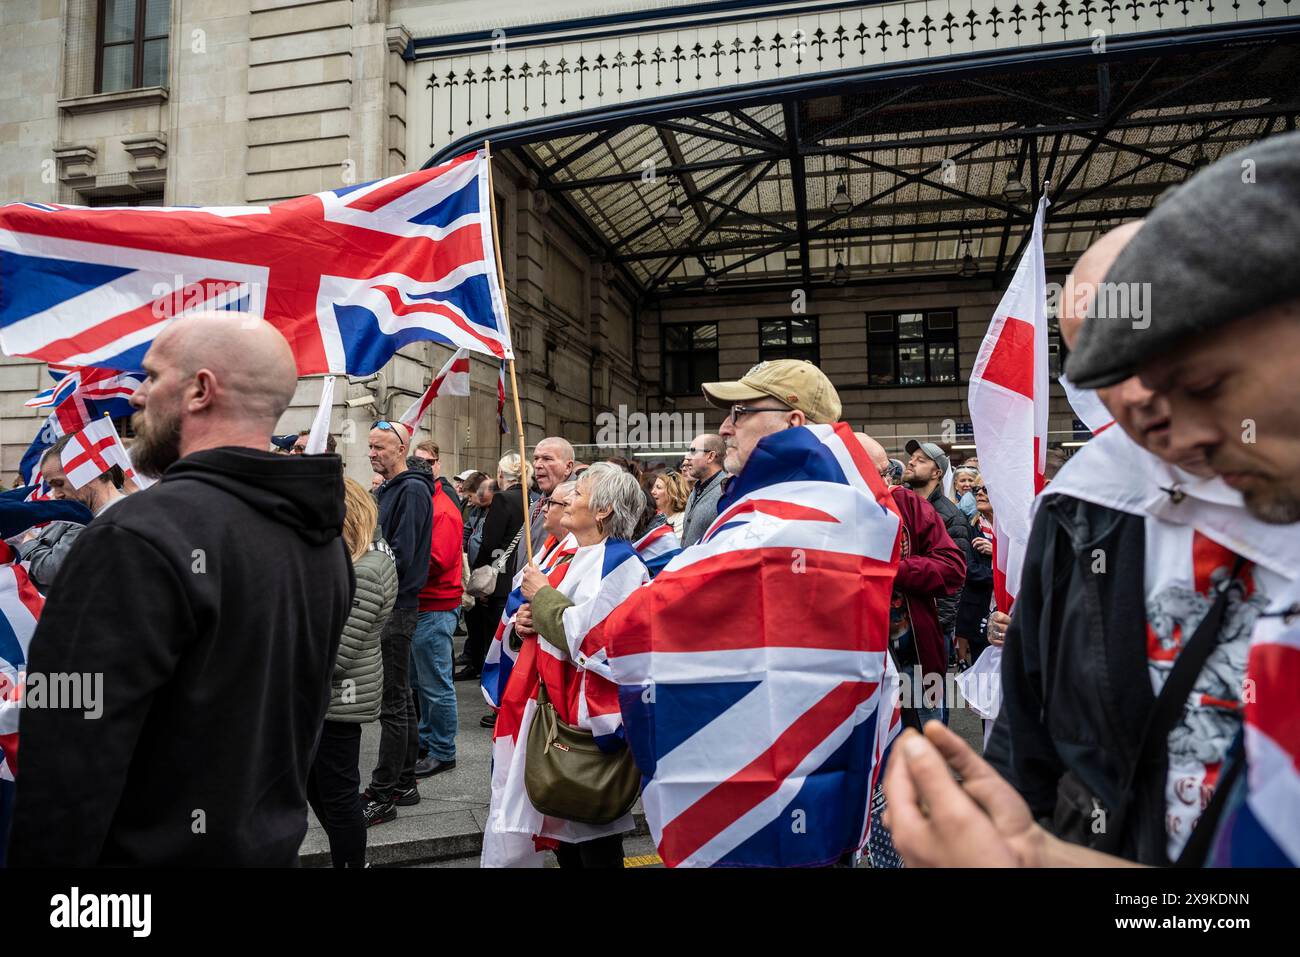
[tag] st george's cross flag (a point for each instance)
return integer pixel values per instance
(92, 452)
(1008, 398)
(452, 379)
(760, 741)
(347, 276)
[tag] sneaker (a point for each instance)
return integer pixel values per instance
(468, 673)
(408, 797)
(488, 720)
(377, 812)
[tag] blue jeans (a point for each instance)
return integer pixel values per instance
(431, 652)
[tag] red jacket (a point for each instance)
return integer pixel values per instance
(934, 567)
(443, 589)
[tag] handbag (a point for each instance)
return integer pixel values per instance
(568, 776)
(483, 580)
(466, 599)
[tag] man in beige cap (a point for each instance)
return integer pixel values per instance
(773, 395)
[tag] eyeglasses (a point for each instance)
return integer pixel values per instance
(548, 503)
(976, 489)
(737, 411)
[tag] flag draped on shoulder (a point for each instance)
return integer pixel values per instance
(579, 684)
(20, 607)
(552, 559)
(760, 741)
(1008, 399)
(658, 547)
(348, 276)
(1263, 830)
(452, 379)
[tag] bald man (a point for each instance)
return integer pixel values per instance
(205, 612)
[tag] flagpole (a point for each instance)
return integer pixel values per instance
(514, 383)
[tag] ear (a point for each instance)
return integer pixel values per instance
(796, 418)
(201, 393)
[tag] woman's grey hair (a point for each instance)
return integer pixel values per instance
(564, 488)
(610, 488)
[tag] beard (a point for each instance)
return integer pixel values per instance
(157, 443)
(1276, 507)
(913, 480)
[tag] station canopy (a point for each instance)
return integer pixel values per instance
(927, 177)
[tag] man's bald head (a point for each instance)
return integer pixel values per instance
(251, 364)
(1087, 275)
(875, 451)
(213, 379)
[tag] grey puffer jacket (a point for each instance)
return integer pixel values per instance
(357, 685)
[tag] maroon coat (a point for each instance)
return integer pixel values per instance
(934, 567)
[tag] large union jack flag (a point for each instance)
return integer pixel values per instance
(348, 276)
(755, 685)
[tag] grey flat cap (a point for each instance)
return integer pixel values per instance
(1223, 245)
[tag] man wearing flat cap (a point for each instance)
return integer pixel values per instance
(1219, 348)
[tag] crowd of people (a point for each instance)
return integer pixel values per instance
(256, 596)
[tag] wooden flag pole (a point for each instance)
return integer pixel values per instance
(514, 383)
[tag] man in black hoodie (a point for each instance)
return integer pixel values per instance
(212, 605)
(406, 516)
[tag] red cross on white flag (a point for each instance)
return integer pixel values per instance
(92, 452)
(452, 379)
(1008, 398)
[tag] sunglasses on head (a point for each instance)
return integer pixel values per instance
(395, 427)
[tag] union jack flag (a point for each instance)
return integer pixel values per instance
(87, 383)
(658, 547)
(347, 276)
(755, 684)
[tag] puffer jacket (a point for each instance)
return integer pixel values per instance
(357, 685)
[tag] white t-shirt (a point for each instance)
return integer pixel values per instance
(1182, 569)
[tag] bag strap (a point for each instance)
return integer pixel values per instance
(1170, 704)
(500, 563)
(1197, 848)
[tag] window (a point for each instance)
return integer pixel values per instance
(788, 339)
(94, 200)
(912, 348)
(131, 44)
(690, 356)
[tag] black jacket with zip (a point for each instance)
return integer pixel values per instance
(1076, 692)
(406, 518)
(211, 604)
(959, 529)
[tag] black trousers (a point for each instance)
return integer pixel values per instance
(481, 627)
(332, 791)
(603, 852)
(398, 728)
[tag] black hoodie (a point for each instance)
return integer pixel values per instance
(212, 605)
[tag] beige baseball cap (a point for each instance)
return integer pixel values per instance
(796, 382)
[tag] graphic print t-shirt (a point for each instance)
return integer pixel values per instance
(1183, 569)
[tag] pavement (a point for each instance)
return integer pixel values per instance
(446, 828)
